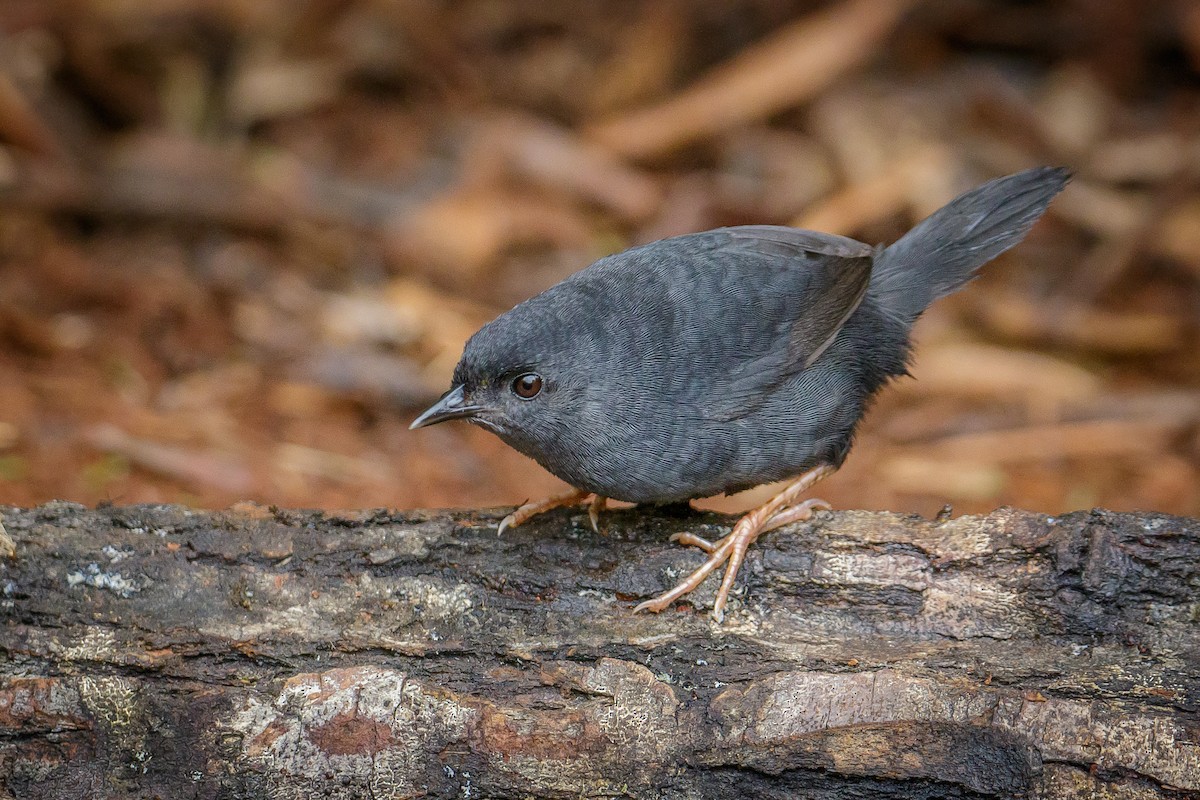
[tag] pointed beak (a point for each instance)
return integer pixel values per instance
(452, 406)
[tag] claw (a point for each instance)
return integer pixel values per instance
(652, 606)
(596, 505)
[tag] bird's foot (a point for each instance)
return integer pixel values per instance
(731, 550)
(801, 512)
(527, 511)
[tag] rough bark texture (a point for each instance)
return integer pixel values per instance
(163, 652)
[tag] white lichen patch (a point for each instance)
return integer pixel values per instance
(96, 644)
(869, 569)
(283, 604)
(370, 727)
(114, 555)
(960, 607)
(604, 598)
(960, 538)
(110, 698)
(632, 719)
(113, 702)
(640, 718)
(954, 539)
(438, 599)
(279, 602)
(801, 703)
(1107, 735)
(408, 542)
(115, 582)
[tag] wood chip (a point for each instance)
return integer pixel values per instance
(1094, 439)
(555, 157)
(22, 125)
(263, 90)
(886, 195)
(790, 67)
(215, 471)
(458, 234)
(1017, 316)
(958, 480)
(989, 371)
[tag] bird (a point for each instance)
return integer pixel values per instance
(714, 362)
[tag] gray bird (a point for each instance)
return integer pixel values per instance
(717, 361)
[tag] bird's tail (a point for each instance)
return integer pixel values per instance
(943, 252)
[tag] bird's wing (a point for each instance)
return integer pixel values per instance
(790, 291)
(708, 322)
(837, 272)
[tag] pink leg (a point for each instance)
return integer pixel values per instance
(692, 540)
(797, 513)
(778, 511)
(574, 497)
(801, 512)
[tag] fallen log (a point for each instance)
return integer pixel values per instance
(157, 651)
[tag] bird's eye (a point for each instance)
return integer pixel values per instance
(527, 386)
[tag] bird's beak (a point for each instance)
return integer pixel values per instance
(453, 405)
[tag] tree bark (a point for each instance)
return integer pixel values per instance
(163, 652)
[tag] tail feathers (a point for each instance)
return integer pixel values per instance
(943, 252)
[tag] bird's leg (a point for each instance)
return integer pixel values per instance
(778, 511)
(574, 497)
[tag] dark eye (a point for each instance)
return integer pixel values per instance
(527, 386)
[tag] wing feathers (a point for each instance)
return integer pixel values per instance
(822, 279)
(839, 272)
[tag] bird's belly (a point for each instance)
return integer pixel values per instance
(788, 434)
(642, 470)
(712, 461)
(703, 448)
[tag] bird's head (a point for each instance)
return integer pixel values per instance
(517, 378)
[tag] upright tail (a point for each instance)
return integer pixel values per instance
(943, 252)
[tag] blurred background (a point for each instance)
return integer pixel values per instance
(243, 241)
